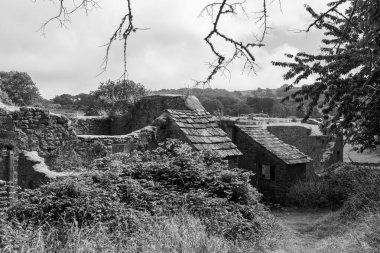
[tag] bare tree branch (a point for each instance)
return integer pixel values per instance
(216, 10)
(241, 49)
(65, 10)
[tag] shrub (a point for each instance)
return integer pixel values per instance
(120, 189)
(356, 188)
(309, 194)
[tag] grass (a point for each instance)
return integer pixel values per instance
(179, 233)
(321, 231)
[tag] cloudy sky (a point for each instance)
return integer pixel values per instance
(169, 55)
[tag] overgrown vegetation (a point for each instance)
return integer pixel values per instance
(354, 188)
(135, 196)
(353, 192)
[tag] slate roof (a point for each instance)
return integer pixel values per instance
(285, 152)
(202, 131)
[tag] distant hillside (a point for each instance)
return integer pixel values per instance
(234, 103)
(277, 93)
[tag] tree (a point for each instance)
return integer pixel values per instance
(117, 97)
(347, 70)
(20, 88)
(4, 98)
(264, 104)
(64, 99)
(213, 105)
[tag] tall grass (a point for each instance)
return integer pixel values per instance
(179, 233)
(309, 194)
(355, 190)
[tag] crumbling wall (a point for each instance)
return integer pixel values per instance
(120, 125)
(92, 125)
(91, 147)
(33, 172)
(4, 194)
(314, 146)
(30, 128)
(151, 107)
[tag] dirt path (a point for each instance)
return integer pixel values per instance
(297, 235)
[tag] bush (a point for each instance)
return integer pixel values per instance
(120, 189)
(355, 188)
(309, 194)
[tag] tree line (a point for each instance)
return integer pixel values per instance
(116, 97)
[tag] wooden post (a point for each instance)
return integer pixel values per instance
(10, 165)
(4, 165)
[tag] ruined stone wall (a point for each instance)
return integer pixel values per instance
(314, 146)
(91, 147)
(33, 172)
(29, 128)
(93, 125)
(151, 107)
(120, 125)
(54, 138)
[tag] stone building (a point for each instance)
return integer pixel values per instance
(149, 108)
(277, 165)
(322, 149)
(199, 129)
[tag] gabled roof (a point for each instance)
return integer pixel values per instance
(202, 131)
(285, 152)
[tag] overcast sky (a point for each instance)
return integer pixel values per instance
(168, 55)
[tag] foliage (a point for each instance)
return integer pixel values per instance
(347, 70)
(4, 98)
(181, 232)
(20, 88)
(309, 194)
(81, 99)
(117, 97)
(354, 188)
(161, 182)
(235, 103)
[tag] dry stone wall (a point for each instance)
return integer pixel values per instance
(151, 107)
(93, 125)
(95, 146)
(29, 128)
(55, 139)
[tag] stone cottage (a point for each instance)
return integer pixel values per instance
(324, 150)
(199, 129)
(277, 165)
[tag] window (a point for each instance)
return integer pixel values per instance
(265, 171)
(268, 172)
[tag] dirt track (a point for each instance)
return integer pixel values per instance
(297, 235)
